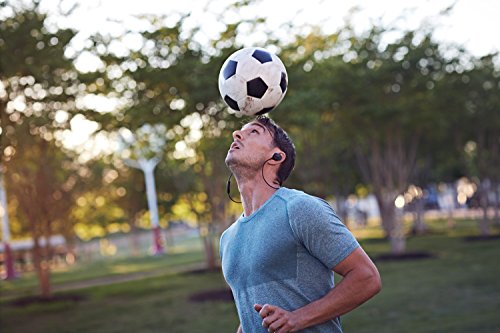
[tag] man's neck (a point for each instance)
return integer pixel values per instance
(254, 193)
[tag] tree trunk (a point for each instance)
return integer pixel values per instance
(210, 253)
(450, 196)
(341, 210)
(398, 240)
(419, 226)
(42, 268)
(484, 225)
(40, 259)
(392, 223)
(208, 245)
(387, 212)
(70, 253)
(496, 204)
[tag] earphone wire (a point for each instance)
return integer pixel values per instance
(262, 171)
(228, 183)
(228, 188)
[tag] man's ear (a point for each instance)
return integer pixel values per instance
(278, 157)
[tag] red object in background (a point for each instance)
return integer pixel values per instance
(10, 272)
(158, 247)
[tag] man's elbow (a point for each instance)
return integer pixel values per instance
(375, 281)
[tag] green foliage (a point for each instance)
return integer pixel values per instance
(38, 83)
(46, 185)
(37, 98)
(39, 88)
(171, 83)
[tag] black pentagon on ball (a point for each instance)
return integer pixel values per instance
(230, 69)
(263, 111)
(256, 88)
(283, 82)
(232, 103)
(262, 56)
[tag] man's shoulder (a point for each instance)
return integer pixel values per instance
(296, 198)
(229, 230)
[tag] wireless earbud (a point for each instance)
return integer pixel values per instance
(276, 157)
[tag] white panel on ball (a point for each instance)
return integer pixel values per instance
(250, 105)
(271, 73)
(272, 97)
(235, 87)
(242, 54)
(249, 68)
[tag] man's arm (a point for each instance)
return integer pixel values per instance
(239, 330)
(360, 282)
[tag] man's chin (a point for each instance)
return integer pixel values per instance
(233, 164)
(230, 160)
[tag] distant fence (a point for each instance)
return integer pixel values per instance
(114, 245)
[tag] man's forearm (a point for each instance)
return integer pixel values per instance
(353, 290)
(239, 330)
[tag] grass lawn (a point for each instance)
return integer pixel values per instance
(158, 304)
(186, 252)
(456, 291)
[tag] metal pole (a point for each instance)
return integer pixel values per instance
(148, 167)
(10, 272)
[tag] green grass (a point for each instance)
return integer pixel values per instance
(149, 305)
(456, 291)
(187, 252)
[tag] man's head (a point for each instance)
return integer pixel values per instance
(256, 143)
(283, 142)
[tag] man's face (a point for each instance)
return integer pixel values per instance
(251, 147)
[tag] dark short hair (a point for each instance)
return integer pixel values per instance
(283, 142)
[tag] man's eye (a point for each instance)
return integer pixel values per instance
(254, 131)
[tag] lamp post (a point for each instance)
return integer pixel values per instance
(148, 166)
(142, 150)
(10, 272)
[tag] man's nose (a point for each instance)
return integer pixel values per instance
(237, 135)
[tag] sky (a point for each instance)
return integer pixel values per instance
(473, 24)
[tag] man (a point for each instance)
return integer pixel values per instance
(280, 255)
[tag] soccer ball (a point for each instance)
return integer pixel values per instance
(253, 81)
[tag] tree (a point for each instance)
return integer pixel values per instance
(325, 163)
(46, 193)
(172, 81)
(387, 109)
(37, 98)
(475, 128)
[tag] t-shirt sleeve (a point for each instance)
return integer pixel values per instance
(221, 244)
(316, 225)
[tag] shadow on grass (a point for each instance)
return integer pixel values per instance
(406, 256)
(200, 271)
(221, 295)
(32, 300)
(481, 238)
(216, 295)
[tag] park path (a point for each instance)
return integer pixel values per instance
(107, 280)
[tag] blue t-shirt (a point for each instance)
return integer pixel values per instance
(283, 255)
